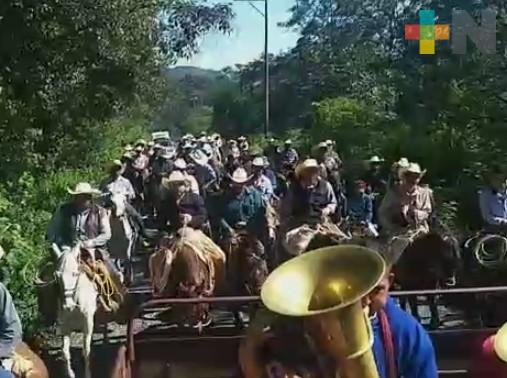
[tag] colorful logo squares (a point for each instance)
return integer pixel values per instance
(426, 32)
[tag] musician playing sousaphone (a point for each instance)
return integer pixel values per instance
(284, 346)
(307, 207)
(405, 210)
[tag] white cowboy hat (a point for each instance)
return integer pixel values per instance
(139, 149)
(329, 142)
(176, 176)
(240, 176)
(500, 344)
(127, 155)
(141, 142)
(259, 162)
(168, 153)
(288, 141)
(242, 138)
(322, 145)
(305, 165)
(83, 188)
(403, 162)
(199, 157)
(187, 144)
(375, 159)
(207, 149)
(413, 168)
(180, 164)
(128, 148)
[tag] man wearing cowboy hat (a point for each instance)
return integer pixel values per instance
(289, 155)
(260, 181)
(82, 220)
(408, 205)
(181, 207)
(309, 200)
(395, 174)
(374, 177)
(493, 200)
(116, 183)
(182, 166)
(204, 173)
(243, 207)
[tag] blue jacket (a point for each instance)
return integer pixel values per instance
(415, 356)
(360, 208)
(248, 206)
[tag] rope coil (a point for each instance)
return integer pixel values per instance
(495, 259)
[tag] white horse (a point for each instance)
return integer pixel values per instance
(123, 235)
(78, 305)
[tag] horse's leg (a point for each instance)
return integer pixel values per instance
(87, 343)
(66, 354)
(435, 318)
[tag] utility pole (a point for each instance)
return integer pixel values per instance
(266, 60)
(266, 69)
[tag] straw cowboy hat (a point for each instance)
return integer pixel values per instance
(375, 159)
(83, 188)
(307, 165)
(259, 162)
(500, 344)
(199, 157)
(128, 148)
(402, 163)
(412, 168)
(240, 176)
(174, 178)
(141, 142)
(180, 164)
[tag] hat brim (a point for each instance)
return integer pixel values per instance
(300, 170)
(405, 171)
(241, 182)
(94, 192)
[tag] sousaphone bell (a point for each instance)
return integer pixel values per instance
(325, 287)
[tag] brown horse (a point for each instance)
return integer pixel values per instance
(27, 364)
(185, 273)
(429, 262)
(246, 268)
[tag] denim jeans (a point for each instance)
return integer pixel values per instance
(5, 373)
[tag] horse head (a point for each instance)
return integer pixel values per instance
(118, 202)
(435, 257)
(68, 272)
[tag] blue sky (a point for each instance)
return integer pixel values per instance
(246, 41)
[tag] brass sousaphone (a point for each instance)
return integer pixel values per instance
(325, 286)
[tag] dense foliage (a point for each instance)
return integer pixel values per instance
(78, 78)
(354, 78)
